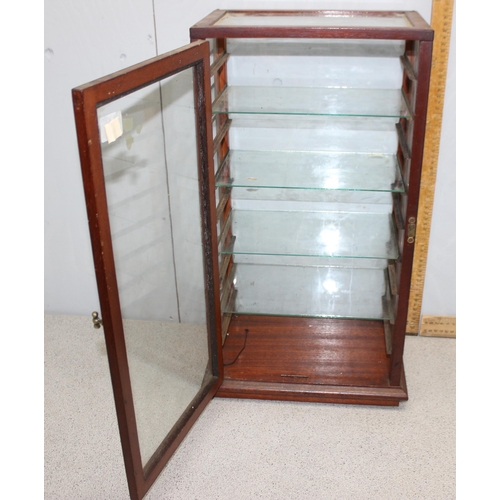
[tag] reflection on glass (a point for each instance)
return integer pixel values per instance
(330, 239)
(149, 155)
(331, 181)
(310, 291)
(312, 233)
(330, 286)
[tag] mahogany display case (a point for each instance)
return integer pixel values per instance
(279, 156)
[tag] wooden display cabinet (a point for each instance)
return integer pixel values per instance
(301, 167)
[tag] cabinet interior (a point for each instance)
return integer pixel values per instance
(312, 169)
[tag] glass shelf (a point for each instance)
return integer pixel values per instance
(327, 292)
(312, 101)
(312, 170)
(315, 234)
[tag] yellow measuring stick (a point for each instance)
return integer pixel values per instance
(442, 13)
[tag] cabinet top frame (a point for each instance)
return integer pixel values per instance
(385, 25)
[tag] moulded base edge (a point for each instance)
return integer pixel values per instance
(383, 396)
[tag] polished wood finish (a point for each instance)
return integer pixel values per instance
(308, 359)
(207, 27)
(379, 396)
(86, 99)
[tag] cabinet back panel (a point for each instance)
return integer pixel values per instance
(291, 133)
(315, 63)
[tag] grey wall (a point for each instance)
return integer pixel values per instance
(86, 40)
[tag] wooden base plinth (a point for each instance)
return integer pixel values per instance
(308, 359)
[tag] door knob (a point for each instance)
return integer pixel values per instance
(96, 320)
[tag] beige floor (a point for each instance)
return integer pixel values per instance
(242, 449)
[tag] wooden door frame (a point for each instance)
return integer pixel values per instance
(86, 99)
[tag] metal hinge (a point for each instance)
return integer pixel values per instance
(411, 230)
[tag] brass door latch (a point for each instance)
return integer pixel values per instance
(96, 320)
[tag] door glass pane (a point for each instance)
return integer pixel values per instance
(149, 151)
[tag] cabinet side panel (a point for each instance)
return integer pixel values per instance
(417, 148)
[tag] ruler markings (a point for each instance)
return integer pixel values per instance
(439, 326)
(442, 13)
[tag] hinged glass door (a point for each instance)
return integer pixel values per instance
(146, 154)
